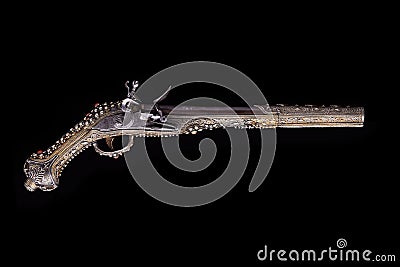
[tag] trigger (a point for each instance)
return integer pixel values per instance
(109, 142)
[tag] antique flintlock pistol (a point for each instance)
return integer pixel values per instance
(106, 121)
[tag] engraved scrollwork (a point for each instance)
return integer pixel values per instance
(199, 124)
(249, 122)
(39, 175)
(36, 172)
(312, 109)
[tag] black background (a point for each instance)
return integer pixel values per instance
(324, 184)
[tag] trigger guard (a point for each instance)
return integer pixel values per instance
(116, 153)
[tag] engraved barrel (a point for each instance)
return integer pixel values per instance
(318, 116)
(283, 116)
